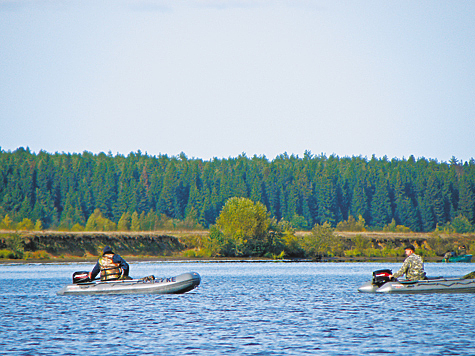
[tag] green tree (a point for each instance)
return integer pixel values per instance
(321, 242)
(466, 199)
(105, 186)
(6, 223)
(168, 202)
(427, 216)
(142, 192)
(126, 196)
(327, 200)
(381, 204)
(124, 222)
(135, 223)
(195, 205)
(217, 244)
(292, 244)
(405, 212)
(246, 225)
(351, 224)
(25, 224)
(359, 199)
(38, 225)
(92, 224)
(434, 200)
(97, 222)
(299, 222)
(64, 189)
(462, 225)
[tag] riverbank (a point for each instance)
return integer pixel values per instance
(58, 246)
(86, 246)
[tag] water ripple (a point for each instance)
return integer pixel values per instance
(240, 308)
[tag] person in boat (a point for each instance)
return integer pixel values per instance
(412, 267)
(111, 266)
(462, 251)
(448, 255)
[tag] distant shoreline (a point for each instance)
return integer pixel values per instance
(175, 259)
(167, 246)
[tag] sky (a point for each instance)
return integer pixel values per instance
(224, 78)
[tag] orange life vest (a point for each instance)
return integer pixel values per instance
(110, 270)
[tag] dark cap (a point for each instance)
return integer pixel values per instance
(107, 249)
(410, 247)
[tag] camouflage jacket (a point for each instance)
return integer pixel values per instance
(413, 267)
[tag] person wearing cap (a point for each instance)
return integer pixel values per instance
(413, 266)
(111, 266)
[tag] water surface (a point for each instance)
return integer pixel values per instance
(257, 308)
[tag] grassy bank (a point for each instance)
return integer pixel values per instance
(44, 245)
(162, 245)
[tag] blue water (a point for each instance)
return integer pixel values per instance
(239, 309)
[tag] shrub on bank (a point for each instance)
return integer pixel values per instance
(197, 253)
(36, 255)
(8, 254)
(351, 224)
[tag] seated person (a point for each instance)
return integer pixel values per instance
(111, 266)
(448, 255)
(413, 266)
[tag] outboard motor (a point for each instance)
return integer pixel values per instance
(381, 276)
(81, 277)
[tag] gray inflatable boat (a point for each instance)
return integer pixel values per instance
(148, 285)
(382, 284)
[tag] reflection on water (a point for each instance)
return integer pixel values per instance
(239, 308)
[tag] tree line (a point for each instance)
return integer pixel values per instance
(144, 192)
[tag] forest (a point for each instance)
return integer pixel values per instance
(140, 192)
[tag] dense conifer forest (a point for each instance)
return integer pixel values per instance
(66, 191)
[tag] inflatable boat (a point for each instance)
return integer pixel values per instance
(461, 258)
(382, 284)
(148, 285)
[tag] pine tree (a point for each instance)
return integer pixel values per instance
(405, 213)
(124, 223)
(381, 213)
(326, 200)
(466, 203)
(427, 216)
(435, 200)
(359, 200)
(135, 223)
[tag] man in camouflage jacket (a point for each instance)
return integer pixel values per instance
(413, 266)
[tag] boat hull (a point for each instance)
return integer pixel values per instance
(173, 285)
(463, 258)
(435, 285)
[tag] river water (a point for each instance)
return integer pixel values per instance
(240, 308)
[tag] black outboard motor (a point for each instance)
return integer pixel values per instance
(381, 276)
(81, 277)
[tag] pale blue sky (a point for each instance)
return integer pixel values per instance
(219, 78)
